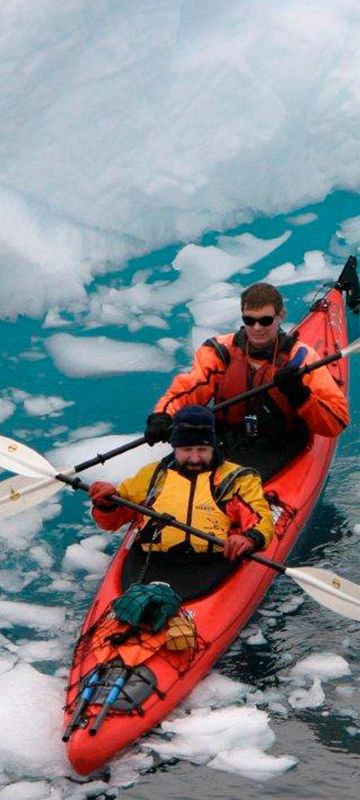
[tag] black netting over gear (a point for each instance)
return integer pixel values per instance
(115, 659)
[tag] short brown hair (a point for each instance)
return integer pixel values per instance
(261, 294)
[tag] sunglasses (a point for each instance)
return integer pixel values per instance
(265, 322)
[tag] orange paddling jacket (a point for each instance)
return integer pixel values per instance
(225, 366)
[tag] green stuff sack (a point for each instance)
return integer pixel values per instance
(152, 605)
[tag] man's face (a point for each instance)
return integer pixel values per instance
(195, 459)
(262, 325)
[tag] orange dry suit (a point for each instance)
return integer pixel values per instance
(226, 365)
(224, 500)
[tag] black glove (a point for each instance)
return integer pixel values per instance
(289, 382)
(158, 427)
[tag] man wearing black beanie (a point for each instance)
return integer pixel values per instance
(199, 488)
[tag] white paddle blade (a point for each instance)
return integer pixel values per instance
(331, 591)
(17, 457)
(20, 493)
(353, 347)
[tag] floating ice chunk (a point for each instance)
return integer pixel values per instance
(257, 638)
(96, 542)
(7, 408)
(302, 219)
(125, 771)
(31, 718)
(28, 790)
(215, 690)
(325, 665)
(78, 556)
(252, 763)
(15, 581)
(79, 356)
(42, 406)
(87, 431)
(46, 650)
(40, 554)
(314, 267)
(232, 739)
(20, 530)
(311, 698)
(32, 615)
(225, 311)
(198, 735)
(114, 470)
(7, 662)
(249, 249)
(291, 605)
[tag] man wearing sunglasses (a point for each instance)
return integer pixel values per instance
(252, 432)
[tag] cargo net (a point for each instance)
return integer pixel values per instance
(118, 657)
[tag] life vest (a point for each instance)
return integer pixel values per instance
(244, 372)
(194, 502)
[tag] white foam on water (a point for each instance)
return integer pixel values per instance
(79, 356)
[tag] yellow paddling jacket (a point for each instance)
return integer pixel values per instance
(227, 499)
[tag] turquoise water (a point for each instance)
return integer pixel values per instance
(322, 743)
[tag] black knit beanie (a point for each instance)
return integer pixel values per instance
(192, 426)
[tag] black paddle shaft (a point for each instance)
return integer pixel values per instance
(265, 387)
(168, 519)
(100, 458)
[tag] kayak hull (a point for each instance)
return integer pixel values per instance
(219, 616)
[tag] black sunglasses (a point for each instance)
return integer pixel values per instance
(265, 322)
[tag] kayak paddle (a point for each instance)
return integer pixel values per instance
(327, 588)
(17, 495)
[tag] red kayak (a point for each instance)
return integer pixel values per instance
(122, 685)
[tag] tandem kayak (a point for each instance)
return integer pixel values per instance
(124, 681)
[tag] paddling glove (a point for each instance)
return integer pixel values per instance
(158, 427)
(99, 493)
(289, 382)
(237, 546)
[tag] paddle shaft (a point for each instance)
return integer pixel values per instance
(100, 458)
(265, 387)
(168, 519)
